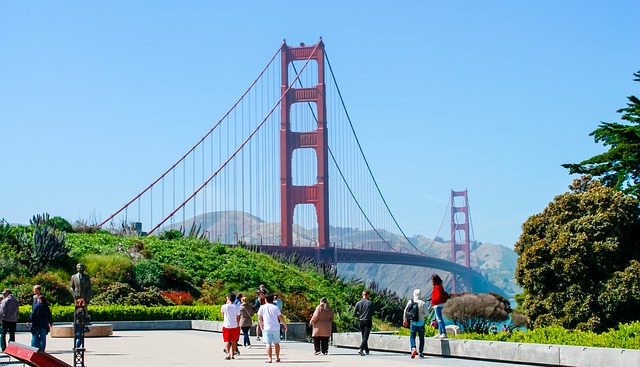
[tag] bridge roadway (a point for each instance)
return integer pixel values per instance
(342, 255)
(200, 348)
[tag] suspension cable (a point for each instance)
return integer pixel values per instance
(239, 148)
(365, 159)
(198, 143)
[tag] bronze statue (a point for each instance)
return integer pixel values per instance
(81, 285)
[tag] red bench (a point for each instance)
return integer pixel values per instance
(32, 357)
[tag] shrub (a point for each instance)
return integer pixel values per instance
(60, 224)
(124, 294)
(147, 273)
(9, 267)
(179, 297)
(213, 293)
(8, 234)
(297, 307)
(475, 312)
(131, 313)
(42, 244)
(54, 287)
(105, 270)
(83, 226)
(344, 320)
(172, 234)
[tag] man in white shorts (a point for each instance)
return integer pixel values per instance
(230, 328)
(269, 318)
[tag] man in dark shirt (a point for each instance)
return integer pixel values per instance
(9, 317)
(364, 312)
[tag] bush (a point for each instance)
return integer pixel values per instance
(147, 273)
(42, 244)
(131, 313)
(10, 266)
(105, 270)
(55, 287)
(475, 312)
(172, 234)
(124, 294)
(179, 297)
(213, 293)
(60, 224)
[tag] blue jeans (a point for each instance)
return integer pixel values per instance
(39, 339)
(245, 332)
(441, 328)
(413, 329)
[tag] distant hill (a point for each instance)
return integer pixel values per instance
(496, 262)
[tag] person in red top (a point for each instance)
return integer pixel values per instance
(438, 298)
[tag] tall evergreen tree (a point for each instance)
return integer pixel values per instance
(619, 167)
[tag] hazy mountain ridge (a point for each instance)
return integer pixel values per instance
(497, 262)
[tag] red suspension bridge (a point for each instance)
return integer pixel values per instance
(283, 169)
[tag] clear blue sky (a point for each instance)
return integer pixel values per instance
(97, 99)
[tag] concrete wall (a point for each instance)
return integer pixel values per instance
(542, 354)
(297, 330)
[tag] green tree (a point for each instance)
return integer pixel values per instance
(619, 167)
(575, 259)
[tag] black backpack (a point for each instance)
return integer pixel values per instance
(412, 313)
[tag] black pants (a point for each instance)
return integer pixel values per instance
(321, 344)
(8, 327)
(365, 330)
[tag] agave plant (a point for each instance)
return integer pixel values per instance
(42, 244)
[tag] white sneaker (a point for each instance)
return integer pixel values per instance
(437, 336)
(443, 336)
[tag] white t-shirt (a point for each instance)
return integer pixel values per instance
(231, 313)
(270, 313)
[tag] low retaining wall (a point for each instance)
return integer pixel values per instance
(297, 330)
(541, 354)
(96, 330)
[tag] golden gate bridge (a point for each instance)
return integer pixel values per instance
(284, 169)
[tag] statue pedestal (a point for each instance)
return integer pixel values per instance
(95, 330)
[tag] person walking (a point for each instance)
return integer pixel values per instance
(438, 298)
(278, 302)
(246, 312)
(322, 322)
(260, 300)
(416, 325)
(9, 317)
(269, 318)
(37, 290)
(79, 320)
(41, 322)
(364, 312)
(230, 328)
(238, 301)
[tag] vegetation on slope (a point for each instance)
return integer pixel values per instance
(149, 270)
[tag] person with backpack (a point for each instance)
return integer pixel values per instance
(414, 314)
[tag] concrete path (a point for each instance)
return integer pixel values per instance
(198, 348)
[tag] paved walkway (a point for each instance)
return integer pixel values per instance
(198, 348)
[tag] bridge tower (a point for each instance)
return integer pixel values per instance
(318, 193)
(460, 231)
